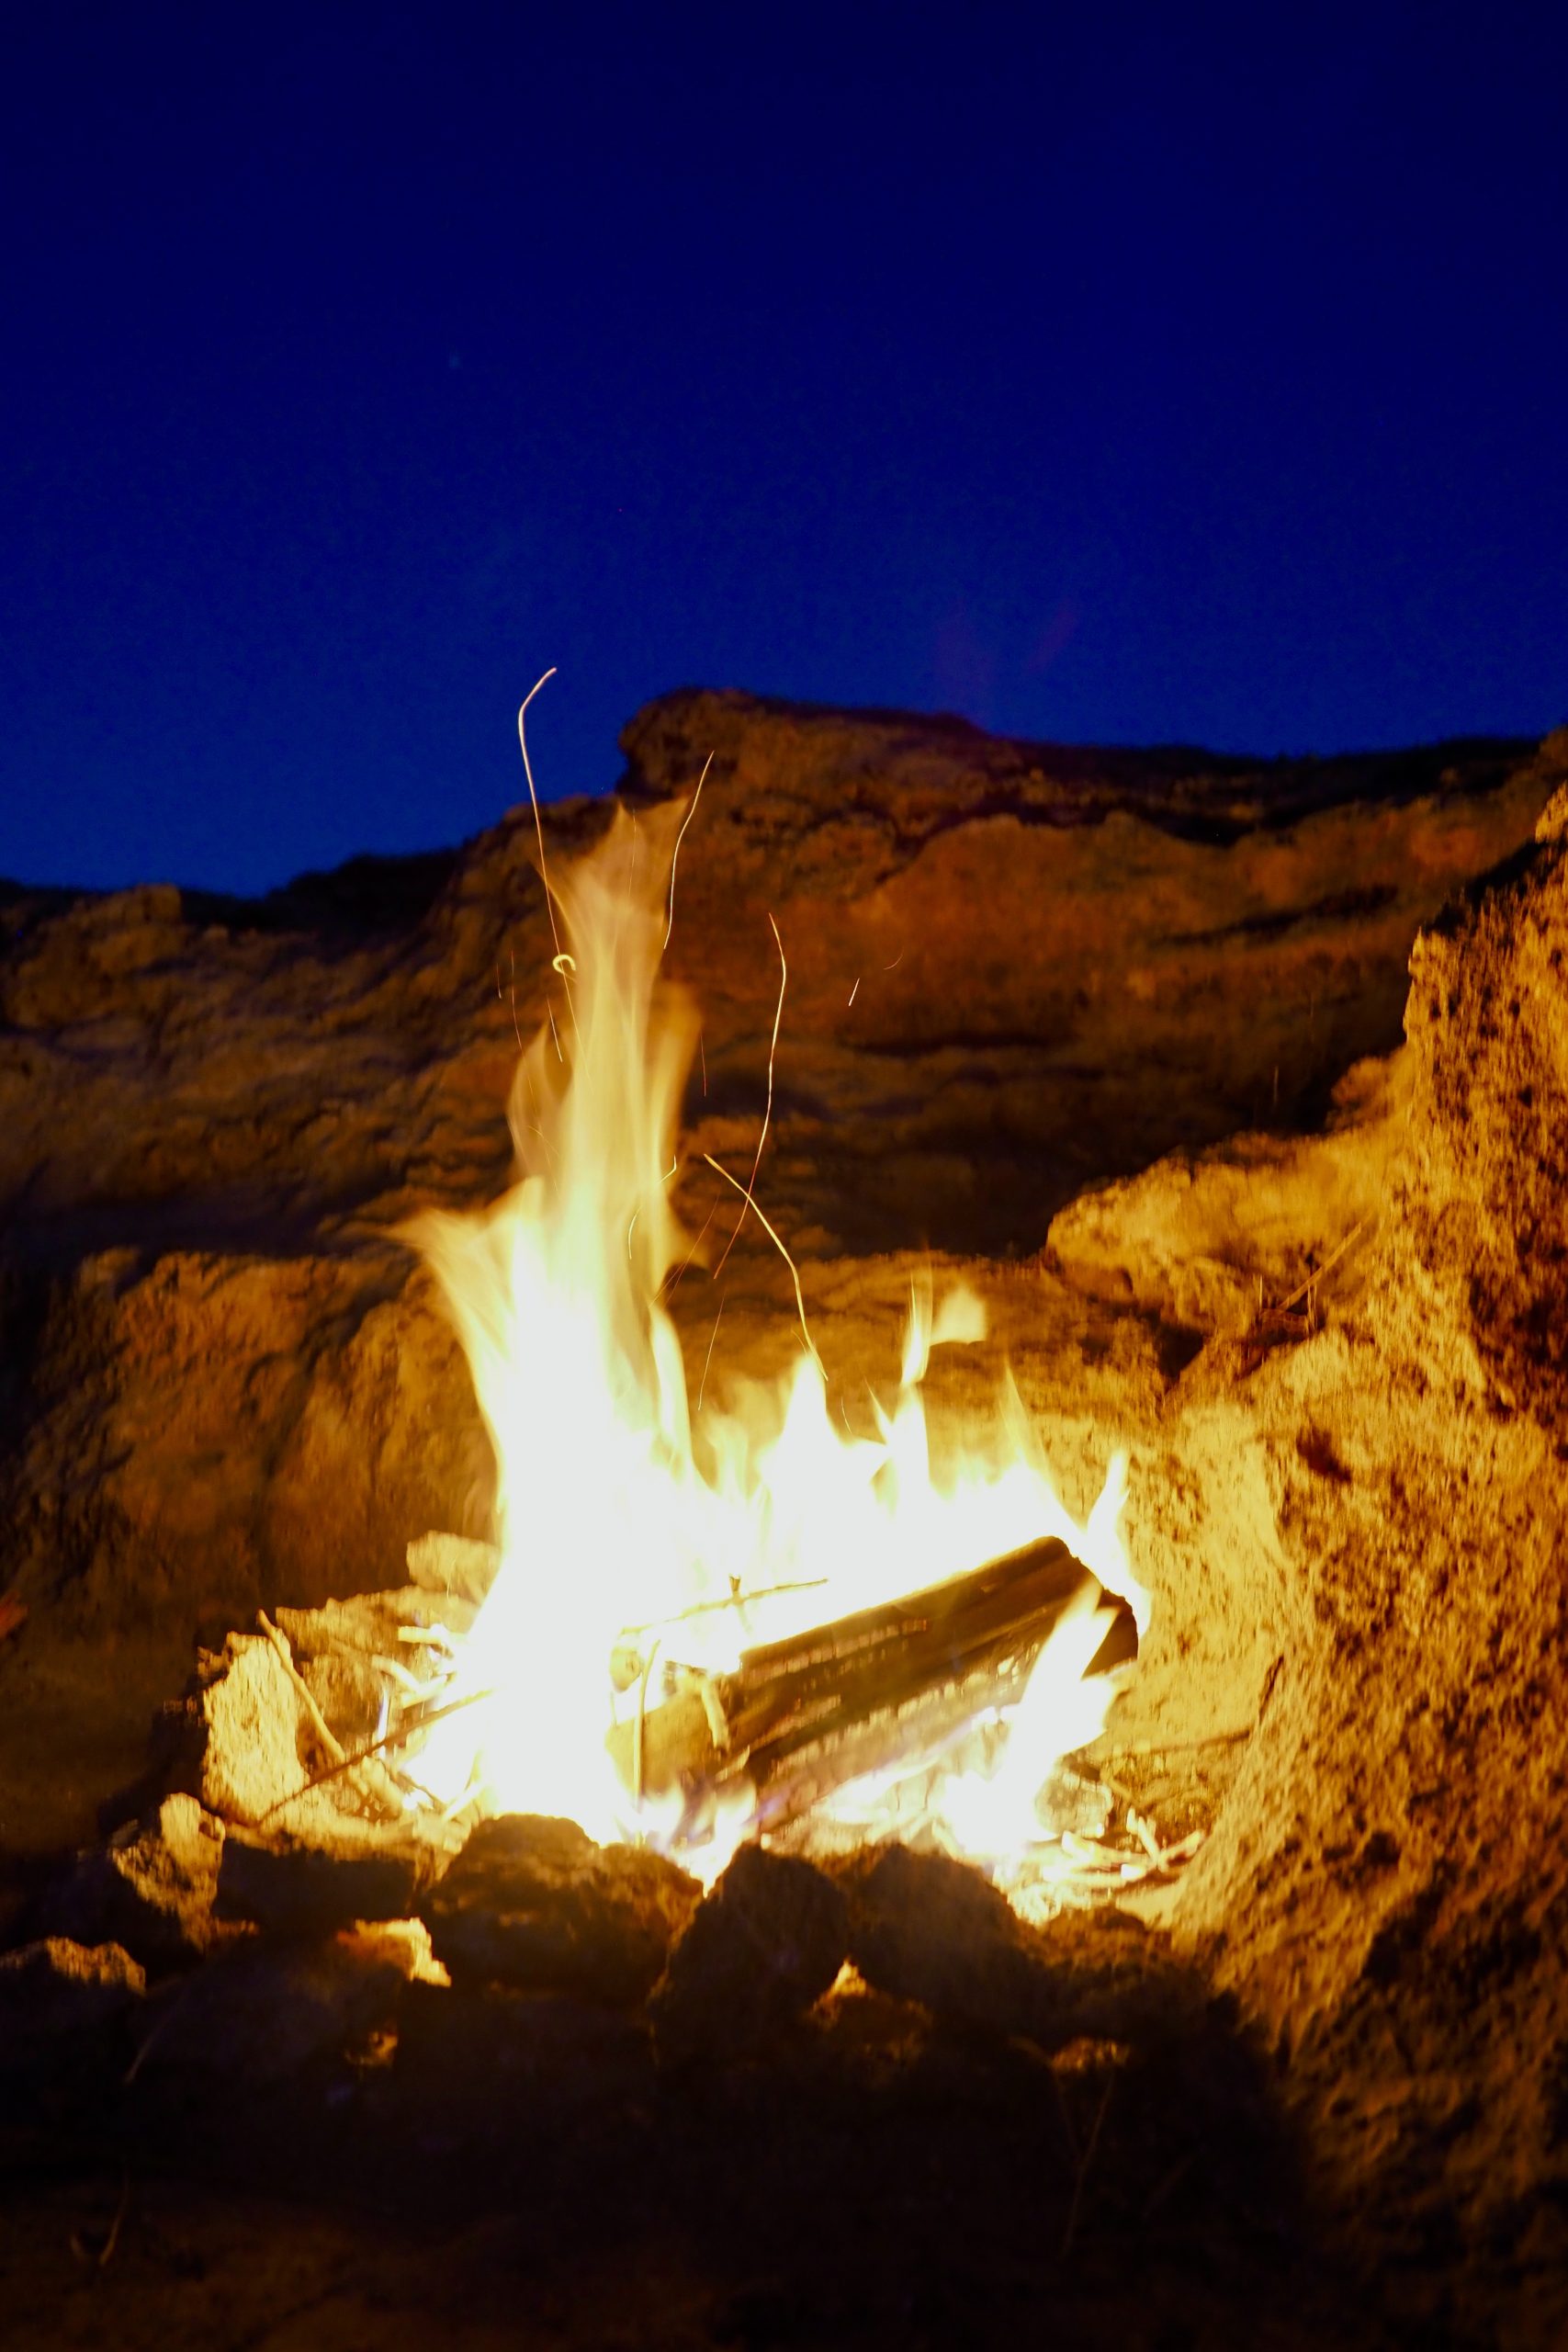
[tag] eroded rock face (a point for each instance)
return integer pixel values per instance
(1386, 1888)
(1061, 964)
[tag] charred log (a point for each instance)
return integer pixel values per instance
(895, 1683)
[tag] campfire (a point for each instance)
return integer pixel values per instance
(768, 1614)
(749, 1617)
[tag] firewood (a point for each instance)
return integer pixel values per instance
(892, 1683)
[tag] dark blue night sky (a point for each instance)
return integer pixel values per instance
(1107, 373)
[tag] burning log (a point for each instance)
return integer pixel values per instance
(895, 1683)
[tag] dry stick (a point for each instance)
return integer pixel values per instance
(176, 2002)
(501, 1000)
(387, 1739)
(307, 1697)
(1283, 1305)
(1063, 2110)
(1167, 2187)
(784, 1253)
(767, 1113)
(680, 837)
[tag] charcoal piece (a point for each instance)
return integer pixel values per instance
(151, 1889)
(758, 1949)
(64, 2010)
(929, 1930)
(532, 1901)
(290, 1886)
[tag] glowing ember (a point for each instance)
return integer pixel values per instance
(632, 1566)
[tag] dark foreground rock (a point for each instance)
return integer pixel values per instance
(152, 1889)
(757, 1953)
(929, 1930)
(532, 1902)
(290, 1887)
(65, 2013)
(264, 2016)
(415, 2162)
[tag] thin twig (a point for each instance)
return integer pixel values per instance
(1182, 1747)
(1167, 2187)
(176, 2003)
(641, 1720)
(388, 1740)
(1283, 1306)
(303, 1691)
(731, 1600)
(515, 1030)
(690, 1256)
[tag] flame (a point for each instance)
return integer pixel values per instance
(620, 1536)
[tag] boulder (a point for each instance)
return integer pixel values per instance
(150, 1890)
(532, 1902)
(765, 1943)
(65, 2012)
(926, 1928)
